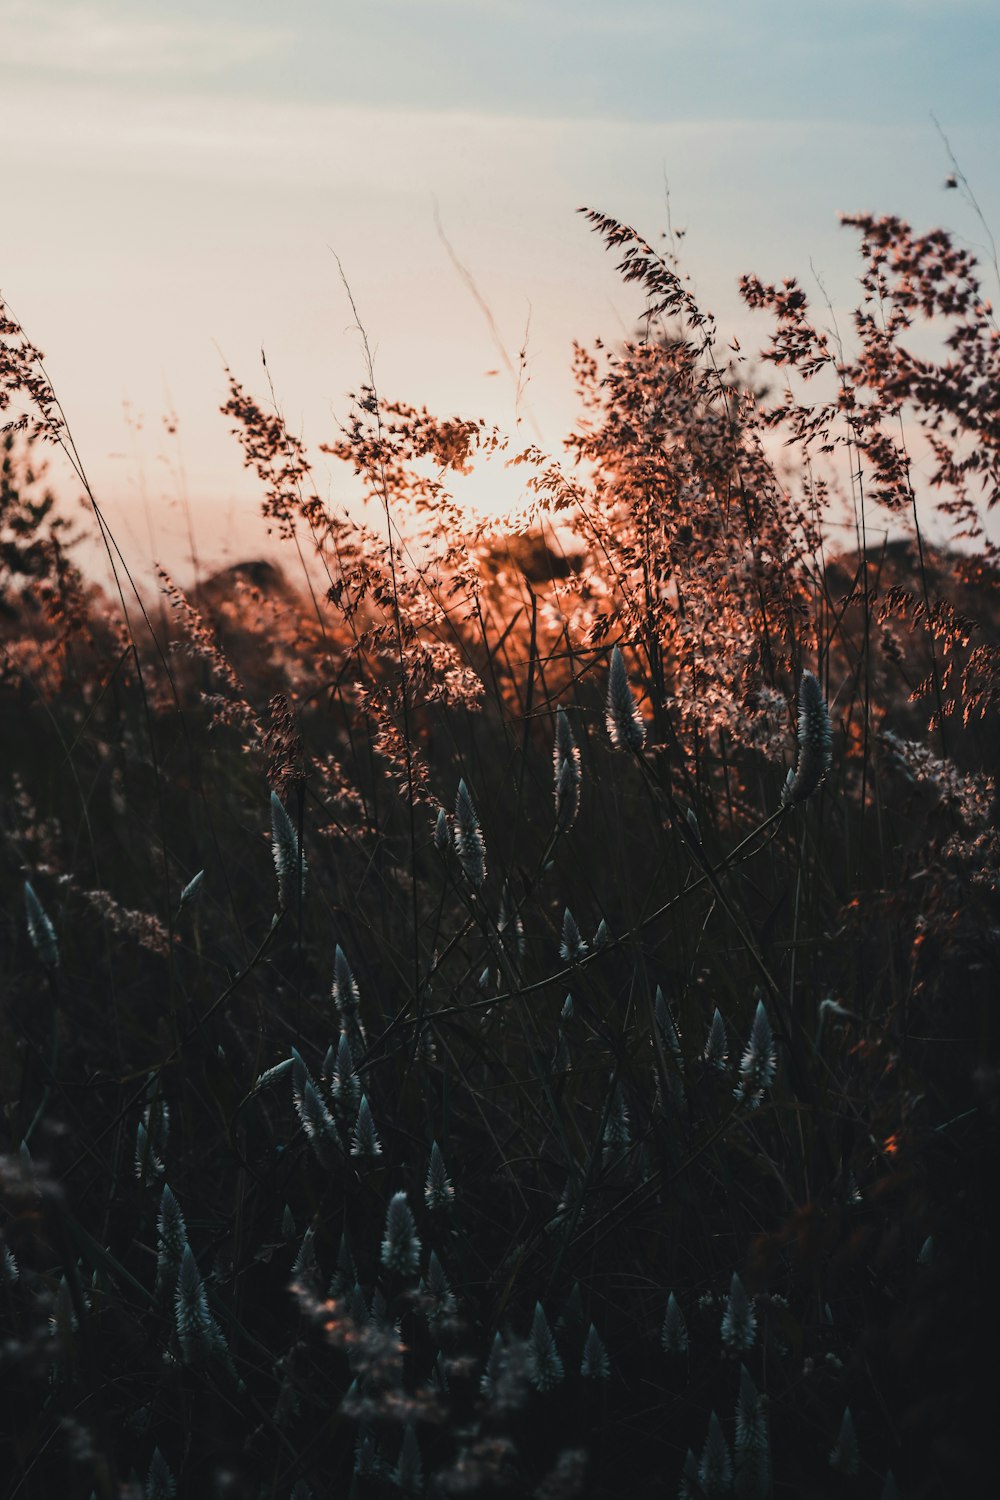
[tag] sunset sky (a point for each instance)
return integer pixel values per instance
(177, 180)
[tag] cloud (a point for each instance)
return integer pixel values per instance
(95, 40)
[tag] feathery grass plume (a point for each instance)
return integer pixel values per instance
(753, 1465)
(546, 1365)
(345, 1085)
(442, 833)
(622, 715)
(715, 1471)
(716, 1053)
(670, 1035)
(571, 945)
(160, 1483)
(493, 1368)
(368, 1463)
(739, 1321)
(400, 1242)
(890, 1489)
(469, 844)
(41, 932)
(197, 1333)
(347, 998)
(315, 1118)
(438, 1189)
(408, 1474)
(617, 1133)
(815, 744)
(148, 1162)
(845, 1456)
(192, 891)
(345, 1272)
(287, 1222)
(690, 1486)
(759, 1062)
(289, 863)
(438, 1297)
(271, 1075)
(365, 1141)
(509, 924)
(596, 1365)
(305, 1266)
(566, 1014)
(172, 1238)
(674, 1335)
(566, 773)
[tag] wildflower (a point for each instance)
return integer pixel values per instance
(739, 1322)
(715, 1472)
(617, 1134)
(596, 1365)
(759, 1062)
(546, 1366)
(345, 1085)
(716, 1053)
(192, 891)
(469, 845)
(815, 744)
(753, 1477)
(408, 1474)
(437, 1291)
(271, 1075)
(400, 1243)
(345, 1274)
(347, 998)
(566, 773)
(510, 926)
(289, 863)
(622, 717)
(160, 1483)
(438, 1190)
(172, 1235)
(845, 1456)
(197, 1332)
(674, 1336)
(149, 1144)
(495, 1362)
(571, 946)
(365, 1141)
(690, 1486)
(305, 1266)
(40, 929)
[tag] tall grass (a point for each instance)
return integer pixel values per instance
(520, 1018)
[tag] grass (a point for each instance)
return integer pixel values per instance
(519, 1019)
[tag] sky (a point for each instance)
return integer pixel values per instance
(180, 180)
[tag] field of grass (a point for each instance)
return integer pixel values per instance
(518, 1018)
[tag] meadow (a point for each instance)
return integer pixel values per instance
(515, 1017)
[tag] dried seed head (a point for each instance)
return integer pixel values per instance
(469, 845)
(40, 929)
(622, 717)
(815, 744)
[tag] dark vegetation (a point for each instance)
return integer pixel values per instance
(597, 1093)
